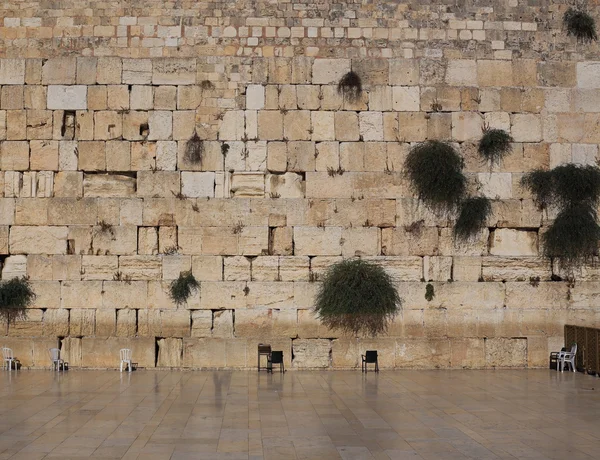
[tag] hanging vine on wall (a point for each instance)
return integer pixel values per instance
(580, 24)
(16, 295)
(574, 235)
(494, 145)
(357, 297)
(434, 169)
(183, 287)
(472, 217)
(350, 86)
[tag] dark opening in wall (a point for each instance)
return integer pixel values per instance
(144, 130)
(67, 130)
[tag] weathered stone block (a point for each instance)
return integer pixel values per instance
(67, 97)
(174, 71)
(502, 352)
(104, 352)
(38, 240)
(170, 352)
(329, 71)
(311, 353)
(511, 242)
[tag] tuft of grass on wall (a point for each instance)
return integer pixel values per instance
(580, 24)
(473, 215)
(16, 295)
(350, 86)
(434, 169)
(183, 287)
(575, 184)
(356, 297)
(574, 236)
(494, 145)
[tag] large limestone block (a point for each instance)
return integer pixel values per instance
(494, 73)
(311, 241)
(12, 71)
(106, 322)
(198, 184)
(236, 268)
(125, 294)
(467, 353)
(175, 323)
(516, 268)
(484, 296)
(437, 268)
(82, 322)
(406, 98)
(223, 295)
(158, 183)
(174, 71)
(419, 354)
(38, 240)
(403, 72)
(248, 184)
(200, 353)
(222, 323)
(269, 295)
(31, 352)
(400, 268)
(119, 240)
(504, 352)
(585, 295)
(104, 352)
(72, 211)
(329, 71)
(466, 126)
(67, 97)
(421, 241)
(170, 352)
(311, 353)
(512, 242)
(255, 323)
(30, 326)
(497, 186)
(292, 268)
(14, 267)
(461, 72)
(81, 294)
(207, 268)
(587, 74)
(202, 323)
(323, 126)
(126, 322)
(47, 294)
(108, 185)
(466, 268)
(255, 97)
(526, 127)
(288, 185)
(365, 241)
(208, 240)
(233, 126)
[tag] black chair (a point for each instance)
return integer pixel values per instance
(370, 357)
(276, 357)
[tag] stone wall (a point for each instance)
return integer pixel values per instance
(101, 209)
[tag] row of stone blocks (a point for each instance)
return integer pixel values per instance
(198, 353)
(302, 70)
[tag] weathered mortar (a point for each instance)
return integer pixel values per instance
(97, 104)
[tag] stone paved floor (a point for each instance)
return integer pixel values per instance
(531, 414)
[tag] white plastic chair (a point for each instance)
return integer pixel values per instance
(57, 362)
(9, 358)
(567, 357)
(125, 354)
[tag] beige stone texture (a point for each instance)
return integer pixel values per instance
(506, 352)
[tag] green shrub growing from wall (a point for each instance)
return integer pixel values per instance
(580, 24)
(16, 295)
(473, 215)
(356, 297)
(183, 287)
(434, 169)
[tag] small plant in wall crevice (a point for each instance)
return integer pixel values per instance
(429, 292)
(434, 169)
(194, 149)
(472, 217)
(16, 295)
(350, 86)
(356, 297)
(183, 287)
(494, 145)
(580, 24)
